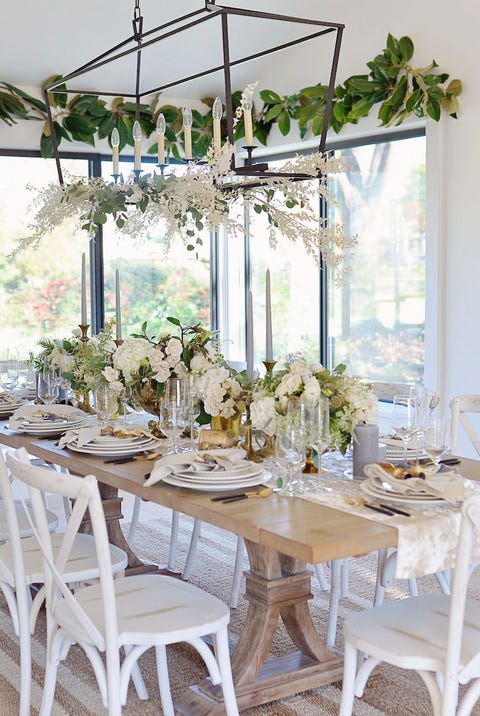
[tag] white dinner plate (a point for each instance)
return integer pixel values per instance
(47, 430)
(387, 496)
(112, 451)
(221, 475)
(178, 481)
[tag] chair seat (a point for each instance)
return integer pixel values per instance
(82, 564)
(24, 524)
(412, 633)
(151, 609)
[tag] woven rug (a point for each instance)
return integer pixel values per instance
(389, 691)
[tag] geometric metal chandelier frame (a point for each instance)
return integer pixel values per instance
(140, 40)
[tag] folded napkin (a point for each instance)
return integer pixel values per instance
(448, 486)
(80, 436)
(34, 413)
(194, 461)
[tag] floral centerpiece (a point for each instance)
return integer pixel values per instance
(351, 399)
(146, 363)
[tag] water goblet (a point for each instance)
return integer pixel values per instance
(105, 403)
(290, 457)
(437, 439)
(173, 421)
(404, 420)
(48, 386)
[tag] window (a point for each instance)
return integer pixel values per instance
(377, 317)
(39, 290)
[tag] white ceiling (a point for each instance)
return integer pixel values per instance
(39, 39)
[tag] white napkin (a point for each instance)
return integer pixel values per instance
(80, 436)
(180, 462)
(26, 413)
(448, 486)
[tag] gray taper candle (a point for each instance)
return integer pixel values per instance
(365, 447)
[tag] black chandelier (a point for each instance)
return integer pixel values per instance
(179, 29)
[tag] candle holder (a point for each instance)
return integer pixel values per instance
(269, 365)
(162, 168)
(249, 164)
(84, 328)
(247, 441)
(309, 467)
(136, 175)
(117, 178)
(118, 341)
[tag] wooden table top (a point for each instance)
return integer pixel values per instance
(298, 528)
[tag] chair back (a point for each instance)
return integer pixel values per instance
(84, 494)
(469, 536)
(462, 408)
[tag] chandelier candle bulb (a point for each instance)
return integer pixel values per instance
(161, 127)
(217, 112)
(115, 140)
(250, 336)
(247, 122)
(83, 292)
(187, 132)
(118, 310)
(268, 319)
(365, 447)
(137, 139)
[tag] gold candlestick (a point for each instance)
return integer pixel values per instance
(84, 328)
(269, 365)
(247, 441)
(118, 341)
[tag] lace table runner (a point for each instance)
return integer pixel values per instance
(427, 539)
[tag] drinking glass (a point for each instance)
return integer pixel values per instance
(404, 420)
(173, 421)
(48, 386)
(437, 438)
(290, 456)
(9, 369)
(105, 403)
(424, 403)
(313, 417)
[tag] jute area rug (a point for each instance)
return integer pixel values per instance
(389, 691)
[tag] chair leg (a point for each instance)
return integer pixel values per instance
(172, 552)
(413, 587)
(164, 681)
(222, 653)
(320, 574)
(349, 673)
(134, 520)
(187, 570)
(344, 579)
(237, 573)
(335, 590)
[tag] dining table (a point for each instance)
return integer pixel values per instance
(283, 536)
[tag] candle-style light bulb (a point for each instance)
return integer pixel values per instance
(161, 129)
(187, 131)
(115, 142)
(217, 112)
(247, 121)
(137, 139)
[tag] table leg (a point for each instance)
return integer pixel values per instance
(277, 587)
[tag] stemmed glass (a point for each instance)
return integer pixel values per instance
(173, 421)
(425, 403)
(313, 417)
(437, 439)
(290, 455)
(105, 403)
(404, 420)
(48, 386)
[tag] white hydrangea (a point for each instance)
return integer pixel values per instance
(129, 354)
(263, 414)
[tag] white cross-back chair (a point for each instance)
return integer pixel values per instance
(134, 613)
(435, 635)
(21, 565)
(462, 408)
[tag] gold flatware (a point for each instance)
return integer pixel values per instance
(264, 492)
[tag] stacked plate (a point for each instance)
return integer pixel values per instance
(210, 478)
(395, 452)
(375, 487)
(46, 420)
(9, 402)
(111, 446)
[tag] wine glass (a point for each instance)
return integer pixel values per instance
(48, 386)
(425, 403)
(404, 420)
(290, 456)
(173, 421)
(437, 439)
(314, 419)
(105, 403)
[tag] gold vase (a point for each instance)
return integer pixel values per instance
(83, 401)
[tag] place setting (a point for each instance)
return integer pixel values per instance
(113, 441)
(46, 420)
(216, 469)
(9, 403)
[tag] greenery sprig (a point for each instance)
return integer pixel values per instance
(392, 82)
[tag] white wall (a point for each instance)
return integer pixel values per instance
(450, 35)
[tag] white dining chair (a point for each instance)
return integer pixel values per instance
(435, 635)
(462, 408)
(134, 613)
(21, 566)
